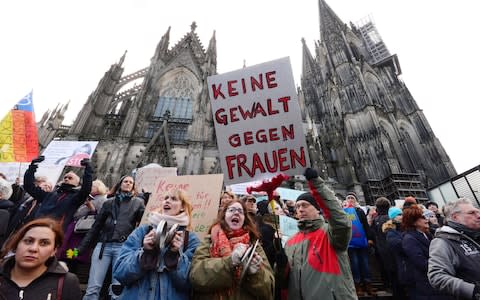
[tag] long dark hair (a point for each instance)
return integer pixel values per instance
(248, 223)
(116, 187)
(12, 243)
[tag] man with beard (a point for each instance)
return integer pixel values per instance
(454, 263)
(61, 203)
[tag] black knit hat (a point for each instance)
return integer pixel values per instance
(309, 198)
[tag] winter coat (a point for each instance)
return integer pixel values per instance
(160, 281)
(115, 221)
(381, 245)
(317, 255)
(454, 263)
(62, 203)
(48, 283)
(213, 278)
(415, 245)
(403, 267)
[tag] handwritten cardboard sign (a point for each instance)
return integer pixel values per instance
(146, 178)
(258, 122)
(203, 191)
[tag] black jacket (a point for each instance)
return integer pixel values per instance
(115, 221)
(61, 203)
(41, 287)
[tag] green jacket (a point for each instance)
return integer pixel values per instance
(317, 255)
(212, 278)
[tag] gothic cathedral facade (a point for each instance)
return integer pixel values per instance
(362, 123)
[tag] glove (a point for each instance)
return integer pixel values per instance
(476, 292)
(85, 162)
(237, 253)
(38, 160)
(255, 264)
(310, 173)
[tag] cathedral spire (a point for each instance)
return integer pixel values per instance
(308, 63)
(212, 50)
(162, 46)
(329, 21)
(120, 63)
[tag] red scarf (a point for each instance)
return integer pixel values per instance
(224, 243)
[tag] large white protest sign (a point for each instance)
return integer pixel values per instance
(204, 194)
(68, 153)
(258, 122)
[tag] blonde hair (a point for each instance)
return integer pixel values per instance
(101, 187)
(187, 206)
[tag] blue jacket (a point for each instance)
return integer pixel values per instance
(159, 283)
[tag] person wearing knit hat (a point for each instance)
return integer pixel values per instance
(409, 201)
(309, 198)
(308, 275)
(358, 248)
(394, 212)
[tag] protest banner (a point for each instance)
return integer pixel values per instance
(258, 122)
(68, 153)
(146, 178)
(204, 194)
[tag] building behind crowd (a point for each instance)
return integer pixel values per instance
(365, 131)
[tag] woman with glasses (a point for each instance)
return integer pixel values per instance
(150, 269)
(218, 267)
(117, 218)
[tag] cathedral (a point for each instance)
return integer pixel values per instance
(365, 132)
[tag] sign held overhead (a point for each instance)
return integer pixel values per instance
(258, 122)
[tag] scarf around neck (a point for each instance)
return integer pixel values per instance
(181, 219)
(122, 196)
(223, 242)
(474, 234)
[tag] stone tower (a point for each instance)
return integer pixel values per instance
(159, 114)
(364, 125)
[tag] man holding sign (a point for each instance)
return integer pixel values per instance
(258, 122)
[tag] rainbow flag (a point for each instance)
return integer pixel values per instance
(18, 133)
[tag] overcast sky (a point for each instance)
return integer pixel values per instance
(61, 49)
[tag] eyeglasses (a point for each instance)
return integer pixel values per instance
(471, 212)
(232, 210)
(68, 177)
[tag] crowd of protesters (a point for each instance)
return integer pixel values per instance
(420, 251)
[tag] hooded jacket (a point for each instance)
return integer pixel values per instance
(454, 263)
(44, 287)
(317, 255)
